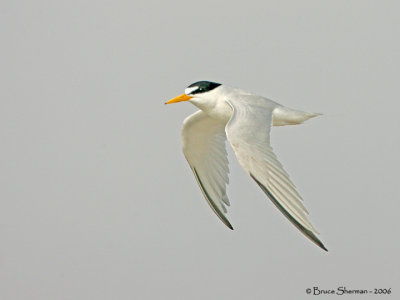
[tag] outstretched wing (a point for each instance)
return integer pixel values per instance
(248, 131)
(204, 148)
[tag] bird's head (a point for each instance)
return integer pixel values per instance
(198, 93)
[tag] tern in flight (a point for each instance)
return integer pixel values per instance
(245, 120)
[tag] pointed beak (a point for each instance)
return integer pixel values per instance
(180, 98)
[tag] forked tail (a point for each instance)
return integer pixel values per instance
(287, 116)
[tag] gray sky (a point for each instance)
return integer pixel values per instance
(97, 201)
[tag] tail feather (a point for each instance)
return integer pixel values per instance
(286, 116)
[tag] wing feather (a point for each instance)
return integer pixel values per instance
(204, 148)
(248, 131)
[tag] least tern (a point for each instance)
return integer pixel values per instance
(245, 120)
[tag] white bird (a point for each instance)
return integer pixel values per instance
(245, 120)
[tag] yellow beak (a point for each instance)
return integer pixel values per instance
(180, 98)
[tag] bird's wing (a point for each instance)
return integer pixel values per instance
(204, 148)
(248, 131)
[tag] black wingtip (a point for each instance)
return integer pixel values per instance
(217, 211)
(226, 222)
(309, 234)
(316, 240)
(312, 236)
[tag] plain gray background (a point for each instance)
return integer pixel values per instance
(97, 201)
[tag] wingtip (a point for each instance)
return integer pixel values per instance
(227, 223)
(308, 233)
(324, 248)
(316, 240)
